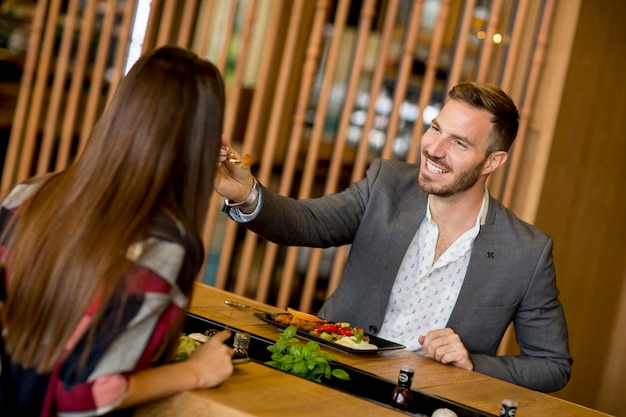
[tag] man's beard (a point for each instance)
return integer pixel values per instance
(462, 182)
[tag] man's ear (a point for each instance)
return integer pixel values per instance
(494, 161)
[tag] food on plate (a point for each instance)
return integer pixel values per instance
(344, 334)
(305, 316)
(351, 342)
(341, 333)
(288, 319)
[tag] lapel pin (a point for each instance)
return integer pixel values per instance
(490, 255)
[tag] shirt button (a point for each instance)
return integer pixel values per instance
(373, 329)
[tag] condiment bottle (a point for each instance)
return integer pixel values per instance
(240, 348)
(401, 396)
(444, 412)
(508, 408)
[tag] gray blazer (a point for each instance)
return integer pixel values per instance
(510, 277)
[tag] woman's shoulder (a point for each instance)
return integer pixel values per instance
(168, 249)
(22, 192)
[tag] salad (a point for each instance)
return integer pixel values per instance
(344, 334)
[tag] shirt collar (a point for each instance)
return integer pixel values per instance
(482, 214)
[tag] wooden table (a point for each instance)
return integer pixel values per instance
(257, 390)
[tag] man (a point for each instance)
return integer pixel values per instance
(435, 262)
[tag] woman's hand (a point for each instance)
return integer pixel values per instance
(233, 179)
(212, 361)
(210, 365)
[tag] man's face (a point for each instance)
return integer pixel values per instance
(454, 150)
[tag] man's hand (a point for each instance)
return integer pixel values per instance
(233, 179)
(445, 346)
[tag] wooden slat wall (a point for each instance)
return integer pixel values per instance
(314, 54)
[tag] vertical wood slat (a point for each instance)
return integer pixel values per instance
(123, 44)
(295, 138)
(314, 49)
(514, 47)
(378, 77)
(429, 78)
(488, 45)
(228, 34)
(12, 166)
(458, 62)
(204, 28)
(164, 35)
(234, 98)
(153, 26)
(366, 19)
(497, 181)
(186, 24)
(271, 140)
(97, 77)
(289, 167)
(75, 95)
(311, 162)
(404, 73)
(234, 93)
(232, 102)
(360, 162)
(267, 158)
(531, 90)
(56, 100)
(270, 145)
(39, 93)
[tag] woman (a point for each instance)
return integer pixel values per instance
(100, 258)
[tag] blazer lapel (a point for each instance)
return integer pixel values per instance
(410, 213)
(483, 260)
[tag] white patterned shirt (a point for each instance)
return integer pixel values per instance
(424, 293)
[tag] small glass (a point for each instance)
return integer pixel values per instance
(240, 348)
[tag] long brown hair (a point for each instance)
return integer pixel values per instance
(154, 150)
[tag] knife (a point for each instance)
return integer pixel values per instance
(246, 307)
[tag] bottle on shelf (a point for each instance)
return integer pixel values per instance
(508, 408)
(444, 412)
(401, 395)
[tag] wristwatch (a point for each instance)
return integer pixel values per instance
(250, 199)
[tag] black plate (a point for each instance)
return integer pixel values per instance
(381, 343)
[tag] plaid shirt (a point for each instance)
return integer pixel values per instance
(156, 295)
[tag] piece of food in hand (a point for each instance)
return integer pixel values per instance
(186, 346)
(189, 343)
(246, 161)
(305, 316)
(202, 338)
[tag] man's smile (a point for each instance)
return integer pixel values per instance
(435, 169)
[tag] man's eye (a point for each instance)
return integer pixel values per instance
(460, 144)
